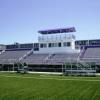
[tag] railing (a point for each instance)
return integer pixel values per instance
(81, 54)
(80, 68)
(2, 51)
(25, 55)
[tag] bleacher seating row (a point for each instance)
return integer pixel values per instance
(91, 54)
(11, 56)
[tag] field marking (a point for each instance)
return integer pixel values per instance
(47, 78)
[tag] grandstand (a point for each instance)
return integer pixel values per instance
(57, 50)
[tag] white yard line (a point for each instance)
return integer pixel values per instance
(49, 78)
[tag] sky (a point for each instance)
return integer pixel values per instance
(20, 20)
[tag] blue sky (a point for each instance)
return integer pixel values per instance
(21, 19)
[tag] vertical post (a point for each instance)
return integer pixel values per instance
(8, 68)
(13, 67)
(2, 67)
(71, 68)
(62, 68)
(27, 67)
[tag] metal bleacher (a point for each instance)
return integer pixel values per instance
(11, 56)
(92, 54)
(51, 59)
(35, 58)
(28, 56)
(61, 58)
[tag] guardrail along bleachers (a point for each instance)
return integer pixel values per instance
(11, 55)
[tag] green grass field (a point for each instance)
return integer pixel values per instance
(48, 87)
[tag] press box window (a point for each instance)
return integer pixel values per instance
(59, 44)
(67, 44)
(36, 46)
(49, 44)
(43, 45)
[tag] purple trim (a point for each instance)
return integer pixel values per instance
(90, 46)
(59, 30)
(17, 49)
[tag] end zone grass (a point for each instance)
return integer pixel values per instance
(48, 87)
